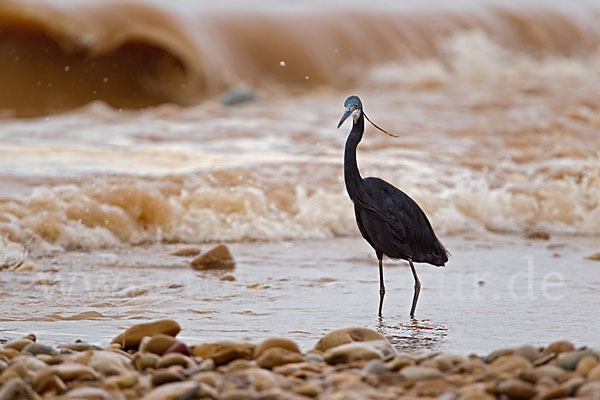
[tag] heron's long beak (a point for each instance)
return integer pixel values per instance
(344, 117)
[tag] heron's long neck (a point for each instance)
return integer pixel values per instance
(351, 172)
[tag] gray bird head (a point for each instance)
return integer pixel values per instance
(353, 107)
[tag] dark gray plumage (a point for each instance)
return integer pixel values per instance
(389, 220)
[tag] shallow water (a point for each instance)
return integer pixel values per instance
(495, 292)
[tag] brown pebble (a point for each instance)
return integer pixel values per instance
(510, 363)
(88, 393)
(594, 257)
(559, 347)
(158, 343)
(224, 352)
(347, 335)
(539, 235)
(276, 342)
(185, 252)
(275, 356)
(227, 278)
(217, 258)
(132, 337)
(51, 383)
(307, 389)
(175, 390)
(515, 389)
(589, 390)
(18, 344)
(365, 351)
(585, 365)
(417, 373)
(594, 374)
(143, 360)
(431, 388)
(174, 359)
(166, 375)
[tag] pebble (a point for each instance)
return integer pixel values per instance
(88, 393)
(185, 252)
(570, 360)
(276, 342)
(175, 359)
(227, 278)
(276, 356)
(224, 352)
(217, 258)
(18, 344)
(108, 362)
(586, 364)
(515, 389)
(37, 348)
(400, 361)
(348, 335)
(132, 337)
(143, 360)
(158, 343)
(589, 390)
(594, 374)
(349, 352)
(376, 367)
(237, 96)
(417, 373)
(431, 388)
(180, 348)
(51, 383)
(67, 371)
(561, 346)
(166, 375)
(14, 389)
(510, 363)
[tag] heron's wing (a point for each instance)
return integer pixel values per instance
(402, 216)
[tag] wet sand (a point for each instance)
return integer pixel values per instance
(496, 291)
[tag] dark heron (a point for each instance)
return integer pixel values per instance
(392, 223)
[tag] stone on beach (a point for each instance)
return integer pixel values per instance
(185, 252)
(18, 344)
(276, 342)
(276, 356)
(179, 347)
(277, 369)
(38, 348)
(224, 352)
(216, 258)
(347, 335)
(346, 353)
(158, 343)
(132, 337)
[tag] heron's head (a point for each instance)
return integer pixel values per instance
(353, 107)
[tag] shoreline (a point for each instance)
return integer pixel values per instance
(148, 361)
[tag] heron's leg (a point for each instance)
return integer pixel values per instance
(417, 289)
(381, 286)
